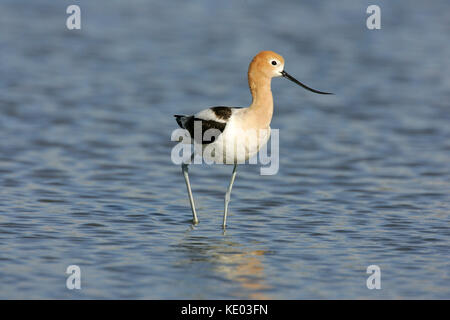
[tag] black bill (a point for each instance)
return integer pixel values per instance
(288, 76)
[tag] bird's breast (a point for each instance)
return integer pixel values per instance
(236, 144)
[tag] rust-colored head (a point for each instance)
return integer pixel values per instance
(267, 64)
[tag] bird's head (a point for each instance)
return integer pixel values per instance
(269, 64)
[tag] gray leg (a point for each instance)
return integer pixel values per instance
(227, 196)
(184, 168)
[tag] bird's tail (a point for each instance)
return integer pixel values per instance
(181, 120)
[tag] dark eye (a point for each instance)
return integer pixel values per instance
(274, 63)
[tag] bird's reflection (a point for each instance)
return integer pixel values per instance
(246, 269)
(228, 259)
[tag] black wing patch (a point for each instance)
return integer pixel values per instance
(222, 113)
(188, 123)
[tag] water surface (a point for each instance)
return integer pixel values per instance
(86, 176)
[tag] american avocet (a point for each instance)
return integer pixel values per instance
(235, 124)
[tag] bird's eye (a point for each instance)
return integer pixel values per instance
(274, 63)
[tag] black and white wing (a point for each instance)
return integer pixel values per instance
(212, 118)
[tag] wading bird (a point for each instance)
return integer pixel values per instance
(236, 126)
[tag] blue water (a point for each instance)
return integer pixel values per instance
(86, 176)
